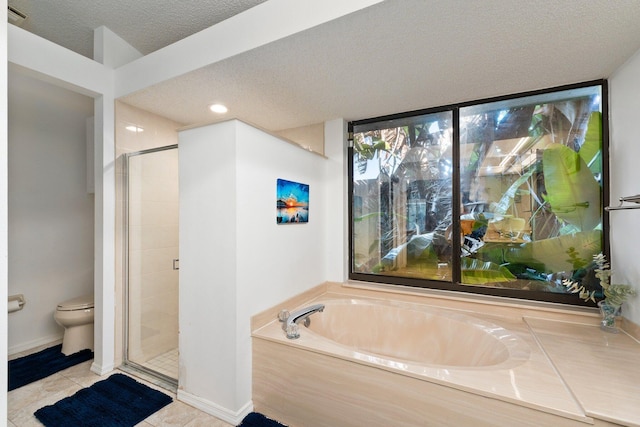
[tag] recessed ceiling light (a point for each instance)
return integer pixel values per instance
(133, 128)
(218, 108)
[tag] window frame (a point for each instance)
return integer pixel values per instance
(455, 284)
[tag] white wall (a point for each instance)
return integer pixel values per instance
(310, 137)
(50, 211)
(207, 169)
(624, 87)
(235, 260)
(274, 262)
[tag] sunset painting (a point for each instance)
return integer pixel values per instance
(292, 202)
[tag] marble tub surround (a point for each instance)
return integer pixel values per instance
(533, 387)
(630, 328)
(316, 390)
(602, 369)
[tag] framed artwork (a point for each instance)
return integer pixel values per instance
(292, 202)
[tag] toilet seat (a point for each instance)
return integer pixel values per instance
(80, 303)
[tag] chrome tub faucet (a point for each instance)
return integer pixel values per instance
(290, 321)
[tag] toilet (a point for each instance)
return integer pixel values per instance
(76, 317)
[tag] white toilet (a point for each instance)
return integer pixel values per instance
(76, 317)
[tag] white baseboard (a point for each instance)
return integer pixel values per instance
(102, 370)
(29, 345)
(232, 417)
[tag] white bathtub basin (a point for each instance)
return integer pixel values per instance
(420, 335)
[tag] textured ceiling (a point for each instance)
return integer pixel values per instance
(147, 25)
(404, 55)
(396, 56)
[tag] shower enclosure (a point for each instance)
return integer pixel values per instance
(151, 262)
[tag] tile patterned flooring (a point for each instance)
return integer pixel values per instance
(166, 363)
(24, 401)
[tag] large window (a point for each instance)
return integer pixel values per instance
(500, 197)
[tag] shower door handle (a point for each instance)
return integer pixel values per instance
(176, 264)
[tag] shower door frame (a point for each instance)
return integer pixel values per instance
(171, 383)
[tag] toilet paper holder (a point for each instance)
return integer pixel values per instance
(21, 302)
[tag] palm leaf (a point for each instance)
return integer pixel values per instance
(555, 254)
(418, 248)
(572, 191)
(591, 149)
(502, 207)
(478, 272)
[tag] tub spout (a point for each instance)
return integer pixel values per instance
(290, 321)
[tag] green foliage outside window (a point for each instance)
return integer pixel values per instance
(529, 210)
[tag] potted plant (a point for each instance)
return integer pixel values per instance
(614, 294)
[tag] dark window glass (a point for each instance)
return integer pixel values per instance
(402, 197)
(519, 180)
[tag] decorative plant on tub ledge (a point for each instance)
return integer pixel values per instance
(614, 294)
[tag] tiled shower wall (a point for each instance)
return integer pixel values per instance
(153, 247)
(153, 235)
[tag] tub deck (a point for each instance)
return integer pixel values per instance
(561, 383)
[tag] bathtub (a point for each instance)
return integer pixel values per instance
(398, 336)
(375, 362)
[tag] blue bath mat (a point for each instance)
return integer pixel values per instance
(256, 419)
(40, 365)
(118, 401)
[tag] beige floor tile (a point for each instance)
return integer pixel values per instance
(16, 356)
(24, 416)
(30, 422)
(24, 401)
(209, 421)
(81, 374)
(55, 385)
(177, 414)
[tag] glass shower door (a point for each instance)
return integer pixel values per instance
(151, 329)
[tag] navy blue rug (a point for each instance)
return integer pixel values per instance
(118, 401)
(256, 419)
(40, 365)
